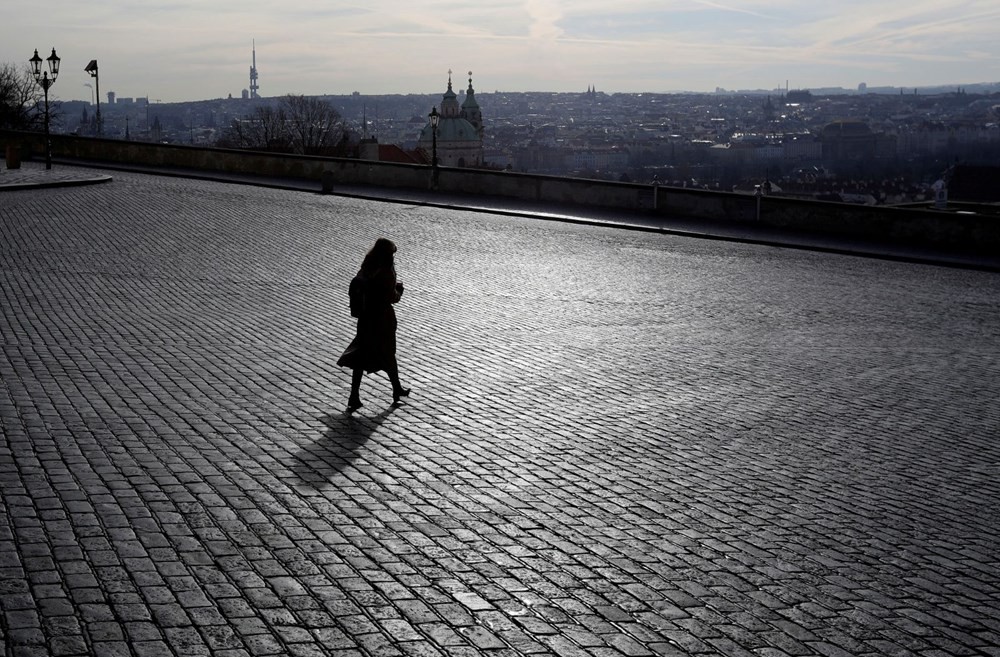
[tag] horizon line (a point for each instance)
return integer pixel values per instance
(869, 90)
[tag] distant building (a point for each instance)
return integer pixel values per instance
(854, 140)
(370, 149)
(802, 148)
(799, 96)
(459, 131)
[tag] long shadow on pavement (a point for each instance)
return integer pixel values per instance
(346, 434)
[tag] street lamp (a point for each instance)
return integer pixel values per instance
(92, 69)
(435, 119)
(43, 79)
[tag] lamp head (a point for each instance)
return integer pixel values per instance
(36, 65)
(53, 61)
(434, 117)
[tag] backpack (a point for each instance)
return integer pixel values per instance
(356, 292)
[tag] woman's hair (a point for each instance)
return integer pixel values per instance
(379, 256)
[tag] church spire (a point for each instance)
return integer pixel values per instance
(470, 95)
(470, 109)
(449, 103)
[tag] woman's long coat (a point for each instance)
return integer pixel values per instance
(374, 346)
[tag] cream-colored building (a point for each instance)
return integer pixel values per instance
(459, 131)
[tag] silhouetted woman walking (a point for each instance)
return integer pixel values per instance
(374, 347)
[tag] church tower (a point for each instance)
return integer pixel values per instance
(459, 134)
(449, 102)
(470, 109)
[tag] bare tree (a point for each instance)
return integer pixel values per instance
(314, 125)
(299, 124)
(264, 130)
(20, 99)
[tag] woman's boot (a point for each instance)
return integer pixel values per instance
(397, 388)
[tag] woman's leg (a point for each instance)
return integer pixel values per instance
(354, 401)
(397, 388)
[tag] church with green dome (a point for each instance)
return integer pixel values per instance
(459, 131)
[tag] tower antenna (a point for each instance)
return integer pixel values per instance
(254, 87)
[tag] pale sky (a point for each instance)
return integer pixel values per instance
(175, 50)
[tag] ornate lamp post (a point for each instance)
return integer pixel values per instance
(92, 69)
(43, 79)
(435, 119)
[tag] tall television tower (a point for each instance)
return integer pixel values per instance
(253, 74)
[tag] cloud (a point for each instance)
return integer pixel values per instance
(544, 17)
(730, 9)
(185, 49)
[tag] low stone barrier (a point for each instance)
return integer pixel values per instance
(974, 233)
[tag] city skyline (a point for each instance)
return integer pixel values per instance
(183, 50)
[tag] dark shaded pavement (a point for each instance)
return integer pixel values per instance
(619, 442)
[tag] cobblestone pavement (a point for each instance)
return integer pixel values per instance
(618, 443)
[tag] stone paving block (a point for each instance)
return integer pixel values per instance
(619, 443)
